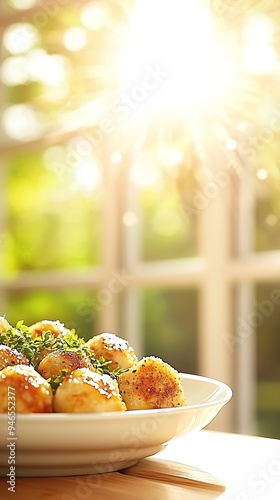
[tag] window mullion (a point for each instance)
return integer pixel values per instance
(245, 347)
(215, 357)
(131, 255)
(3, 232)
(108, 296)
(3, 195)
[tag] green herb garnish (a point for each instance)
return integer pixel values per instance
(54, 383)
(102, 366)
(21, 339)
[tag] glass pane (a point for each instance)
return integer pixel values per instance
(167, 233)
(267, 236)
(73, 308)
(169, 223)
(171, 327)
(267, 181)
(53, 220)
(268, 355)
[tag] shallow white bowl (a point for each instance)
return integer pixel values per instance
(61, 444)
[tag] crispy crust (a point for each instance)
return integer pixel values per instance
(151, 383)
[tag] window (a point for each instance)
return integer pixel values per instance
(140, 183)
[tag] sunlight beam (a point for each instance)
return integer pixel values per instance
(177, 37)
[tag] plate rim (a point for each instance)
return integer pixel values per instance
(136, 413)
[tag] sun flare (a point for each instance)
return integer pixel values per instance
(211, 73)
(176, 36)
(154, 73)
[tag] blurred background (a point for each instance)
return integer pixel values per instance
(140, 183)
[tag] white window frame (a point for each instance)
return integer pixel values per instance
(214, 272)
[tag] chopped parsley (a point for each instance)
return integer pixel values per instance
(21, 339)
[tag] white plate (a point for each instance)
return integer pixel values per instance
(61, 444)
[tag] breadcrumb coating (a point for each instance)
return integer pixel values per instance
(113, 348)
(33, 394)
(10, 357)
(56, 361)
(55, 327)
(151, 383)
(85, 391)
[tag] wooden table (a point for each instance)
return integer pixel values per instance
(248, 466)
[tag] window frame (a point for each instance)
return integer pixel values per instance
(214, 272)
